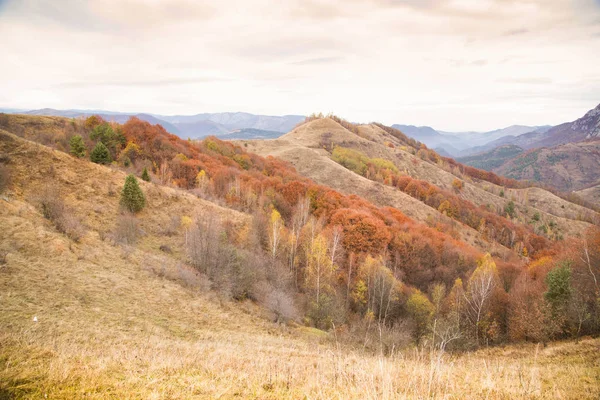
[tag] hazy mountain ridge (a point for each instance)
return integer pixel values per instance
(195, 126)
(566, 156)
(462, 144)
(493, 158)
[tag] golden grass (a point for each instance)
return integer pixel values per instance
(119, 323)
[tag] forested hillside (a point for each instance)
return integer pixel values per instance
(337, 258)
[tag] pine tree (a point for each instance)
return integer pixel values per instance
(132, 197)
(100, 154)
(77, 146)
(559, 287)
(145, 175)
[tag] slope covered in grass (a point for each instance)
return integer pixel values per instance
(129, 322)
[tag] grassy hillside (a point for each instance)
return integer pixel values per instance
(96, 318)
(309, 148)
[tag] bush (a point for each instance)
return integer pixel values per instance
(509, 209)
(127, 231)
(77, 147)
(282, 305)
(457, 184)
(132, 197)
(54, 209)
(5, 177)
(100, 154)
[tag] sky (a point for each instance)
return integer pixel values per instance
(456, 65)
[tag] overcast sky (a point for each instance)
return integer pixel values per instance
(451, 64)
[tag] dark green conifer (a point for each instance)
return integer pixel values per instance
(132, 197)
(145, 175)
(100, 154)
(77, 146)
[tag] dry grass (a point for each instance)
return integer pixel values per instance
(134, 322)
(110, 326)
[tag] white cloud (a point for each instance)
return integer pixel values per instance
(452, 64)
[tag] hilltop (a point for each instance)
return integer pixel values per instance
(309, 147)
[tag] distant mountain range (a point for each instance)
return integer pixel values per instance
(566, 156)
(457, 144)
(228, 125)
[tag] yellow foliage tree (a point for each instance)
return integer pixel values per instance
(319, 268)
(275, 232)
(186, 222)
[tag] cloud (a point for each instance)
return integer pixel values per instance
(527, 81)
(517, 32)
(455, 64)
(141, 83)
(318, 60)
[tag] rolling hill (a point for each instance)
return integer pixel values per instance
(306, 147)
(100, 303)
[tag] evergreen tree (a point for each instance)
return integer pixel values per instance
(100, 154)
(132, 197)
(145, 175)
(559, 287)
(77, 146)
(509, 209)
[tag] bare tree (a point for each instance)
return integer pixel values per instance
(480, 287)
(586, 260)
(335, 243)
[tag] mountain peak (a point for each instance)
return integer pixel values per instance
(589, 123)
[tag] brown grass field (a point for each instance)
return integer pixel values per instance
(125, 322)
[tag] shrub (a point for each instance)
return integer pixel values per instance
(282, 305)
(457, 184)
(145, 175)
(132, 197)
(509, 209)
(127, 230)
(100, 154)
(5, 177)
(54, 209)
(77, 147)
